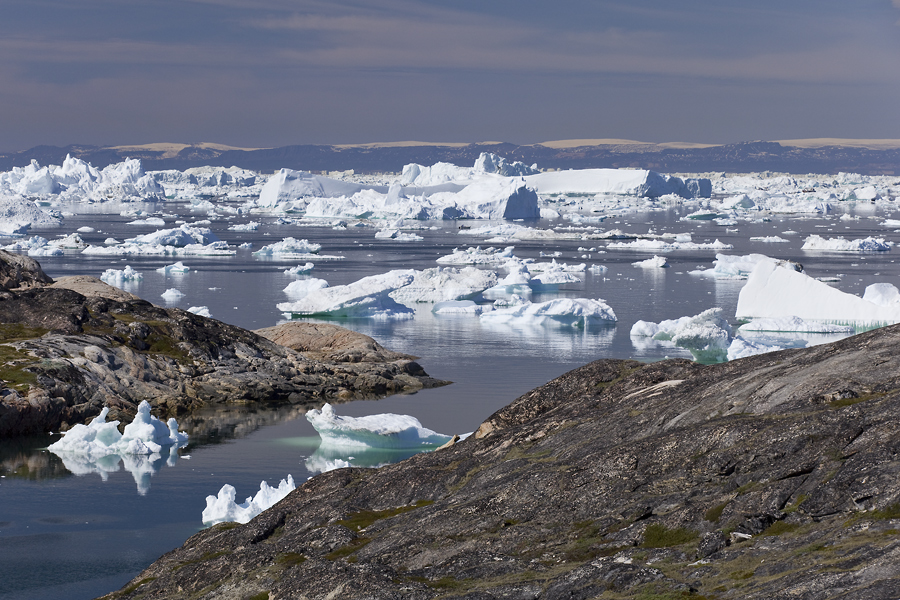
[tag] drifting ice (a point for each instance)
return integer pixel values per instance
(223, 508)
(375, 431)
(574, 312)
(368, 298)
(869, 244)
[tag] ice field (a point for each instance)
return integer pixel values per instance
(500, 277)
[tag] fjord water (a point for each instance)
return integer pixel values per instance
(63, 535)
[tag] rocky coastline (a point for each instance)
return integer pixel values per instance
(774, 476)
(68, 348)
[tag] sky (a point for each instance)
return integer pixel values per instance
(267, 73)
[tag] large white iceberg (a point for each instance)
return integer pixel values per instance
(179, 237)
(289, 246)
(839, 244)
(222, 507)
(740, 267)
(631, 182)
(442, 284)
(772, 291)
(573, 312)
(368, 297)
(374, 431)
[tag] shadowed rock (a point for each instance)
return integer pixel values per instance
(324, 341)
(775, 476)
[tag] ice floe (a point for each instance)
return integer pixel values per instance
(368, 297)
(202, 311)
(477, 256)
(119, 277)
(172, 295)
(302, 287)
(374, 431)
(657, 262)
(288, 247)
(444, 283)
(869, 244)
(571, 312)
(176, 268)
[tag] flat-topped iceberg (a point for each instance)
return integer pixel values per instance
(368, 297)
(663, 246)
(739, 267)
(223, 508)
(131, 249)
(144, 435)
(630, 182)
(289, 246)
(573, 312)
(869, 244)
(477, 256)
(444, 283)
(772, 292)
(179, 237)
(374, 431)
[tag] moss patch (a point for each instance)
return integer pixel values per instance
(13, 365)
(360, 520)
(712, 515)
(660, 536)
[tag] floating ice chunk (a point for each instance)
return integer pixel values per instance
(316, 464)
(796, 324)
(477, 256)
(302, 287)
(18, 214)
(151, 221)
(739, 201)
(251, 226)
(891, 223)
(776, 292)
(72, 241)
(396, 234)
(769, 239)
(172, 295)
(203, 311)
(631, 182)
(287, 189)
(289, 245)
(134, 249)
(662, 246)
(35, 246)
(869, 244)
(110, 241)
(85, 229)
(444, 283)
(118, 278)
(657, 262)
(740, 267)
(178, 267)
(742, 348)
(144, 435)
(460, 307)
(223, 508)
(299, 269)
(375, 431)
(706, 336)
(179, 237)
(367, 298)
(574, 312)
(882, 294)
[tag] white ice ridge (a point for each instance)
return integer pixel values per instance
(374, 431)
(145, 435)
(630, 182)
(18, 214)
(477, 256)
(573, 312)
(178, 267)
(657, 262)
(223, 508)
(869, 244)
(118, 277)
(289, 246)
(299, 269)
(368, 297)
(772, 291)
(133, 249)
(740, 267)
(662, 246)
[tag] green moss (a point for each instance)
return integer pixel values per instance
(225, 526)
(780, 528)
(747, 487)
(259, 596)
(290, 559)
(712, 515)
(13, 365)
(741, 575)
(11, 332)
(136, 585)
(345, 551)
(360, 520)
(795, 506)
(660, 536)
(888, 512)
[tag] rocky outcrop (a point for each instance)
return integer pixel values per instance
(776, 476)
(17, 271)
(324, 341)
(65, 354)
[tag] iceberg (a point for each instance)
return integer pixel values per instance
(706, 336)
(299, 269)
(477, 256)
(172, 295)
(222, 507)
(657, 262)
(374, 431)
(132, 249)
(118, 277)
(144, 435)
(573, 312)
(740, 267)
(444, 283)
(302, 287)
(663, 246)
(72, 241)
(35, 246)
(289, 246)
(460, 307)
(794, 324)
(289, 190)
(202, 311)
(179, 237)
(869, 244)
(368, 297)
(773, 292)
(628, 182)
(251, 226)
(178, 267)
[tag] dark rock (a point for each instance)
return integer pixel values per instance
(608, 481)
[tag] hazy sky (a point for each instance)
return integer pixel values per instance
(260, 73)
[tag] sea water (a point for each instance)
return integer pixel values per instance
(81, 536)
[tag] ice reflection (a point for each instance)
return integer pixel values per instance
(328, 458)
(141, 467)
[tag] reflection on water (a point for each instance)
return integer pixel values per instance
(141, 466)
(28, 458)
(327, 458)
(218, 424)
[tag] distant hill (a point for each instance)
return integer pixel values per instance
(868, 157)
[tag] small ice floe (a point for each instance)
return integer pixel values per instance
(663, 246)
(202, 311)
(72, 241)
(460, 307)
(302, 287)
(740, 267)
(85, 229)
(251, 226)
(35, 246)
(477, 256)
(397, 235)
(706, 336)
(222, 508)
(572, 312)
(179, 237)
(769, 239)
(289, 246)
(111, 241)
(151, 221)
(178, 267)
(119, 277)
(299, 269)
(657, 262)
(839, 244)
(172, 295)
(368, 297)
(374, 431)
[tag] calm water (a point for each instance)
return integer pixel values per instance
(81, 536)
